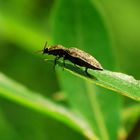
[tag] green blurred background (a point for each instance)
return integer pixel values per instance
(26, 25)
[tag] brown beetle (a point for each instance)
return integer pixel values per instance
(76, 56)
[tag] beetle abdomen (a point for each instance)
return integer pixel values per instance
(83, 59)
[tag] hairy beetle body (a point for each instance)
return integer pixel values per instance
(76, 56)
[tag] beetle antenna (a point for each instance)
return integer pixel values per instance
(45, 45)
(43, 48)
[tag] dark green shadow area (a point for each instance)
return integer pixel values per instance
(75, 69)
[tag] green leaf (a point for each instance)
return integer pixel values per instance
(7, 128)
(121, 83)
(80, 24)
(11, 90)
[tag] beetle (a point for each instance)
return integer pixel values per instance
(83, 59)
(74, 55)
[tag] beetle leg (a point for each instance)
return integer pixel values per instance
(86, 71)
(55, 60)
(64, 61)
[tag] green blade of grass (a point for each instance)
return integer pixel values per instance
(119, 82)
(11, 90)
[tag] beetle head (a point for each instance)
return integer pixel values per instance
(45, 50)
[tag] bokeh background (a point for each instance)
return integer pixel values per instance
(25, 26)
